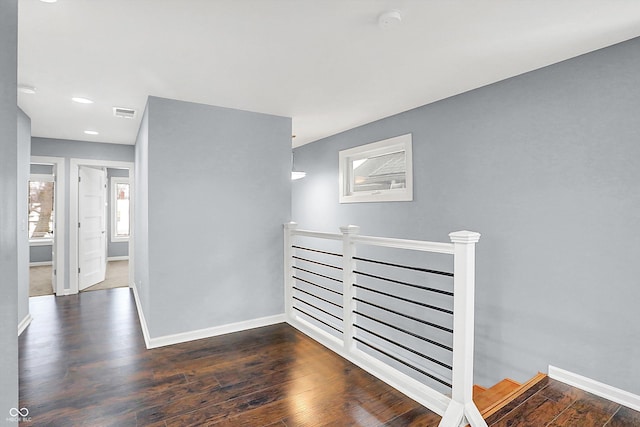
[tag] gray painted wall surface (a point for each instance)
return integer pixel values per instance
(141, 213)
(79, 150)
(40, 253)
(546, 166)
(42, 169)
(115, 249)
(8, 209)
(215, 221)
(24, 149)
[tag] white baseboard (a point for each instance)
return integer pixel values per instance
(215, 331)
(40, 263)
(614, 394)
(24, 323)
(143, 321)
(118, 258)
(200, 333)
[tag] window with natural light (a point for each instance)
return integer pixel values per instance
(41, 208)
(377, 172)
(120, 216)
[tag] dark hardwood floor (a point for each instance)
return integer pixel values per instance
(83, 363)
(553, 404)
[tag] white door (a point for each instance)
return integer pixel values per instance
(92, 243)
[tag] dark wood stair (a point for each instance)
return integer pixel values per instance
(492, 399)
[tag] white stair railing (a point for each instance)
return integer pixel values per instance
(330, 315)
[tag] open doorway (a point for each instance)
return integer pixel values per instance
(46, 226)
(101, 238)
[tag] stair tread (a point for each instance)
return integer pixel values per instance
(495, 393)
(477, 389)
(494, 398)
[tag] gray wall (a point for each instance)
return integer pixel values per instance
(24, 149)
(8, 209)
(141, 213)
(41, 169)
(40, 253)
(546, 166)
(218, 192)
(78, 150)
(115, 249)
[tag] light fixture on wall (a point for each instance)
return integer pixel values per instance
(297, 175)
(294, 173)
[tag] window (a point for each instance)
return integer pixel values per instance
(377, 172)
(41, 209)
(120, 227)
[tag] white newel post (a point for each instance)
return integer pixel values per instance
(462, 410)
(348, 278)
(288, 268)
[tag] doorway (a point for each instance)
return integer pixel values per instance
(101, 231)
(47, 225)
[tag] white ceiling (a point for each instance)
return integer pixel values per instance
(325, 63)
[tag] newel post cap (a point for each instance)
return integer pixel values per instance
(350, 229)
(290, 225)
(464, 236)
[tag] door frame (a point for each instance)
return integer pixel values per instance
(59, 235)
(73, 215)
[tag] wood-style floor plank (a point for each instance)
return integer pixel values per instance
(83, 363)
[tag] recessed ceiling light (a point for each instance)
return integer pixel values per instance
(91, 132)
(27, 89)
(48, 1)
(81, 100)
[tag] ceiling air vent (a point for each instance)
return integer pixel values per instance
(125, 113)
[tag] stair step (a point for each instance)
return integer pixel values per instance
(477, 389)
(496, 397)
(495, 393)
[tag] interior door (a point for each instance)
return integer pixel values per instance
(92, 243)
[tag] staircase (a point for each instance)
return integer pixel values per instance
(491, 400)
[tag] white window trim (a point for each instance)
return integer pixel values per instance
(41, 242)
(387, 146)
(118, 180)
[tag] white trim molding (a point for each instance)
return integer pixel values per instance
(216, 330)
(143, 321)
(40, 263)
(614, 394)
(24, 323)
(199, 333)
(118, 258)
